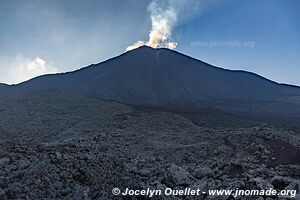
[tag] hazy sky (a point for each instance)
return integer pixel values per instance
(41, 36)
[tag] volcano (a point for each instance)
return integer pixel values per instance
(164, 78)
(4, 88)
(186, 125)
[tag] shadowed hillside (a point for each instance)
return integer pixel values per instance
(164, 78)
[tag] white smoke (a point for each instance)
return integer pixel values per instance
(163, 18)
(165, 15)
(135, 45)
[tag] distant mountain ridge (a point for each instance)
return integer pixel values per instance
(168, 79)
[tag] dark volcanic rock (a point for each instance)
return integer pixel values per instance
(177, 176)
(57, 145)
(164, 78)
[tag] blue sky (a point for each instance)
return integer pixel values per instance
(39, 36)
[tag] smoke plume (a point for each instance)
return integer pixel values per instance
(163, 18)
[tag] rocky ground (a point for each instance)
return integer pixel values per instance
(63, 146)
